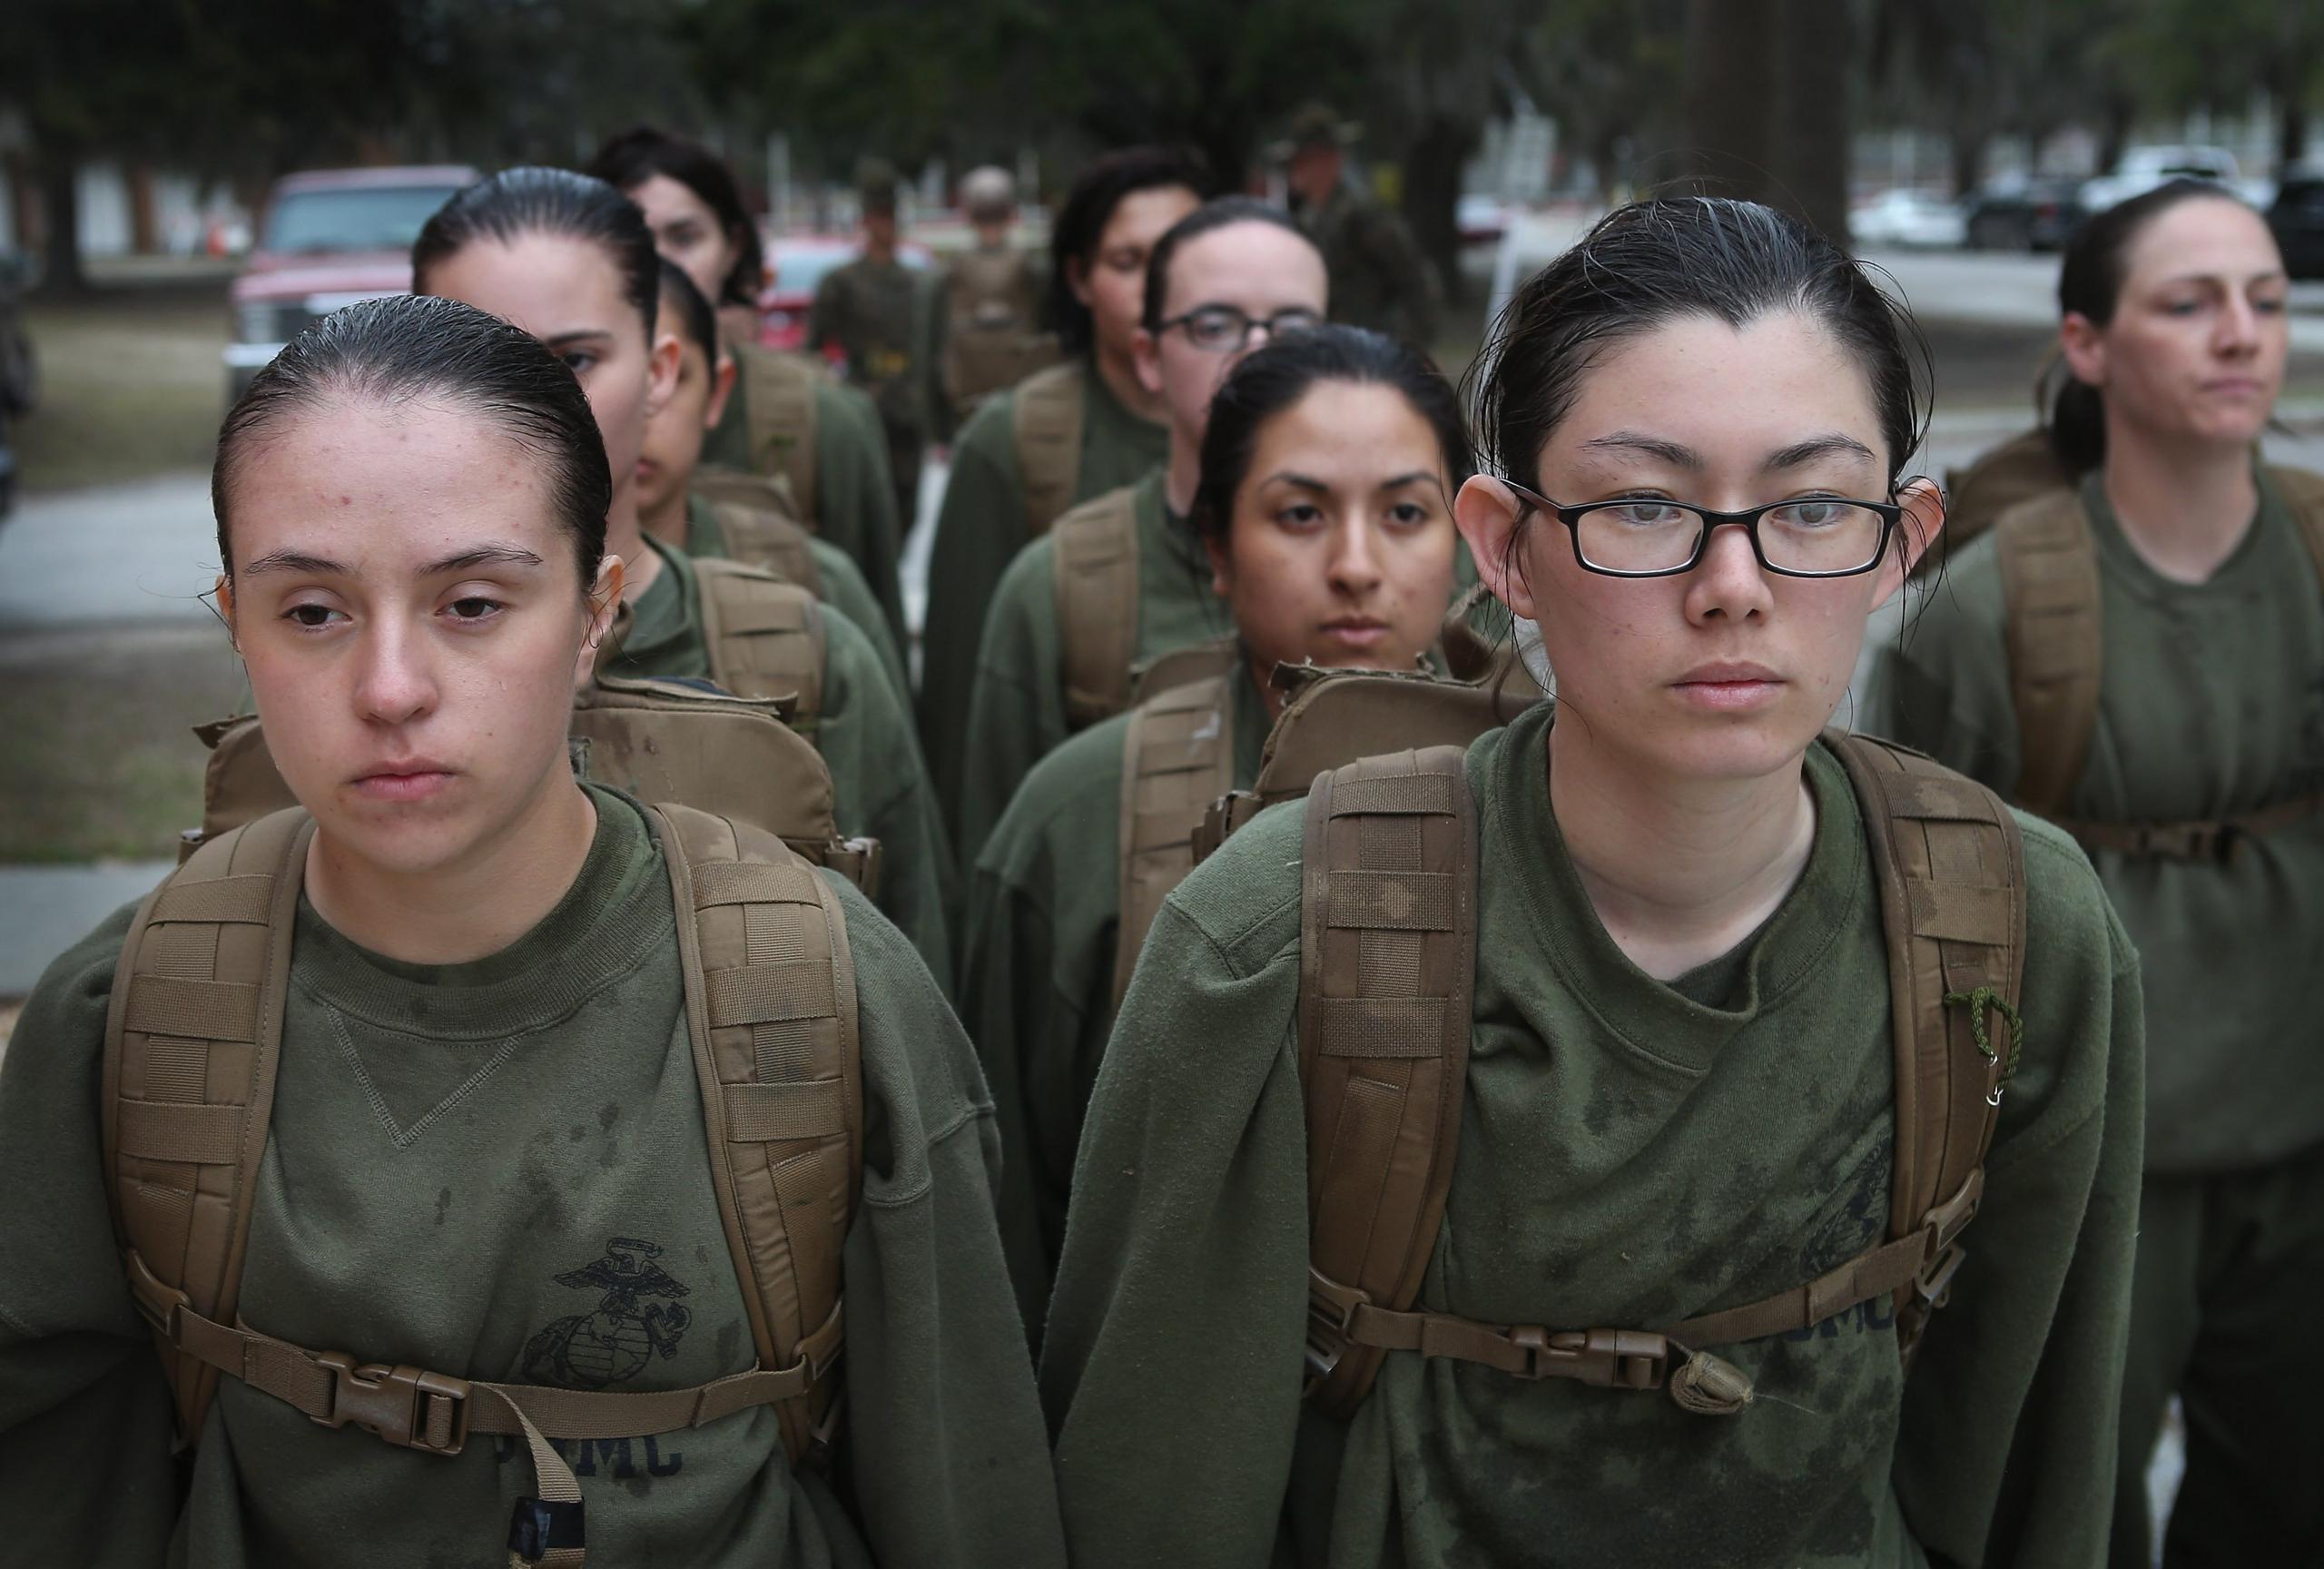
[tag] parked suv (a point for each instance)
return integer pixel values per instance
(326, 239)
(2298, 219)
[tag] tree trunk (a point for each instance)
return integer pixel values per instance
(60, 203)
(2113, 132)
(1966, 149)
(1730, 78)
(1818, 59)
(145, 215)
(1433, 166)
(2291, 132)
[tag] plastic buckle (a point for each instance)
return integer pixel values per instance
(1331, 1315)
(389, 1403)
(1935, 1280)
(537, 1527)
(156, 1303)
(1609, 1359)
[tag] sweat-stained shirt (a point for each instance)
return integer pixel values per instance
(1631, 1153)
(1037, 968)
(979, 528)
(2210, 704)
(864, 734)
(854, 504)
(1016, 712)
(453, 1149)
(843, 587)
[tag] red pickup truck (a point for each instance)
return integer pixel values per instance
(329, 238)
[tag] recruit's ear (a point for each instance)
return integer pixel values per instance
(1491, 520)
(1923, 521)
(722, 386)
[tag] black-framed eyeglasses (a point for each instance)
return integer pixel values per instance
(1654, 537)
(1221, 329)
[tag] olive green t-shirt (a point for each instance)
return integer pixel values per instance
(841, 586)
(1017, 711)
(979, 528)
(2210, 704)
(855, 503)
(498, 1169)
(1628, 1156)
(864, 734)
(1037, 968)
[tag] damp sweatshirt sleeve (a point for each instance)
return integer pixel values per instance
(979, 528)
(85, 1424)
(1017, 711)
(947, 1455)
(844, 587)
(866, 740)
(2005, 1454)
(1168, 1367)
(855, 504)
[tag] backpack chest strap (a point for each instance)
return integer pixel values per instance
(2204, 839)
(1924, 1262)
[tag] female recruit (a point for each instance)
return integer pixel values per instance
(787, 418)
(1617, 1228)
(1326, 510)
(2137, 657)
(570, 260)
(486, 1301)
(1064, 435)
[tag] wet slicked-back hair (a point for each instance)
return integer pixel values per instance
(416, 349)
(697, 320)
(519, 202)
(1282, 371)
(1219, 213)
(1081, 223)
(1652, 262)
(638, 154)
(2090, 283)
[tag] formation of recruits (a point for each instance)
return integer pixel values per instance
(1246, 1079)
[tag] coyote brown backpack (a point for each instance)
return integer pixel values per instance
(1045, 424)
(779, 404)
(2020, 469)
(193, 1040)
(755, 519)
(765, 638)
(1096, 604)
(1387, 958)
(2052, 627)
(992, 339)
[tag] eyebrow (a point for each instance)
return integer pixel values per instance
(1828, 445)
(1681, 457)
(320, 566)
(578, 335)
(1670, 453)
(2270, 276)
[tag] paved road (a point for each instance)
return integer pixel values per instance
(144, 551)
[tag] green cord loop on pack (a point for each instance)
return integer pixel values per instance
(1985, 999)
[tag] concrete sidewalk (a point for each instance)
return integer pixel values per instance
(44, 910)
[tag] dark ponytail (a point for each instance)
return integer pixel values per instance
(533, 201)
(408, 349)
(2089, 284)
(1281, 372)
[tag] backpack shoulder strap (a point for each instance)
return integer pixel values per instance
(2050, 594)
(1096, 604)
(193, 1035)
(2303, 492)
(770, 1006)
(1387, 952)
(1950, 870)
(1046, 425)
(1176, 666)
(779, 397)
(1177, 757)
(757, 536)
(766, 636)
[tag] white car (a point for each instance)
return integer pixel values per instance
(2142, 169)
(1903, 217)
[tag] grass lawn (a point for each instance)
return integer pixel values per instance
(130, 385)
(100, 760)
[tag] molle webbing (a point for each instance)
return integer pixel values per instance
(2016, 471)
(1178, 667)
(1096, 568)
(1387, 946)
(779, 402)
(765, 637)
(193, 1046)
(2049, 574)
(761, 538)
(1177, 757)
(714, 483)
(1046, 426)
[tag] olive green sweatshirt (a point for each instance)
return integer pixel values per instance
(843, 587)
(2210, 704)
(497, 1170)
(979, 528)
(1036, 969)
(1630, 1154)
(855, 502)
(863, 733)
(1016, 712)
